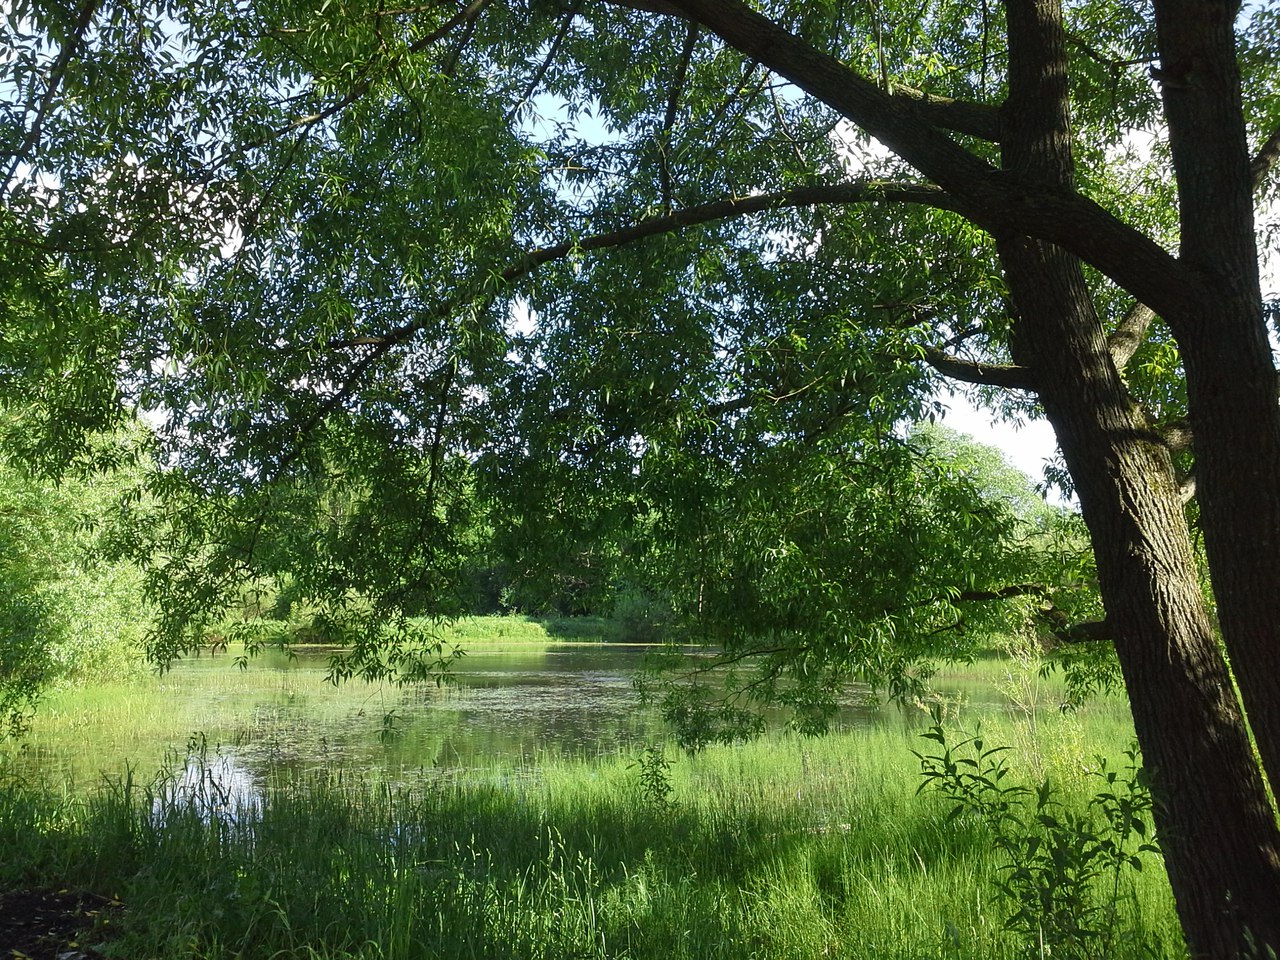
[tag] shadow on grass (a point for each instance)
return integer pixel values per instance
(333, 867)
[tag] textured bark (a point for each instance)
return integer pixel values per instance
(1221, 846)
(1219, 833)
(1222, 335)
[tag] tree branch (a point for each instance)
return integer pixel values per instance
(962, 116)
(1092, 630)
(985, 374)
(865, 191)
(1129, 333)
(1132, 330)
(1265, 160)
(365, 80)
(56, 75)
(1176, 435)
(998, 201)
(554, 49)
(859, 191)
(669, 120)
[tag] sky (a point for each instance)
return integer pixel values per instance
(1026, 447)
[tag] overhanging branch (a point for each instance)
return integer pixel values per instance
(861, 191)
(865, 191)
(985, 374)
(996, 200)
(1047, 611)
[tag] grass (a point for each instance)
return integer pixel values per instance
(784, 848)
(483, 631)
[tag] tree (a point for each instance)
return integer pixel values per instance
(848, 557)
(302, 234)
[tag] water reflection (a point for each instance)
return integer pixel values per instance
(221, 787)
(510, 707)
(505, 709)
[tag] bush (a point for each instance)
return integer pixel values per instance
(641, 617)
(67, 612)
(1065, 874)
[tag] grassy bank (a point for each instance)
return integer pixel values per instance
(471, 631)
(785, 848)
(498, 630)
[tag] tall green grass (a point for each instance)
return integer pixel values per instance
(784, 848)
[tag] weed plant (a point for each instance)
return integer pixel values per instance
(1066, 872)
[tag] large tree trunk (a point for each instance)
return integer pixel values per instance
(1231, 380)
(1221, 844)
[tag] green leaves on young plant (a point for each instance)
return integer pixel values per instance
(1064, 873)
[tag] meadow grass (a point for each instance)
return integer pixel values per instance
(484, 631)
(783, 848)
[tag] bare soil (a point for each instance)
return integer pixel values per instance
(53, 924)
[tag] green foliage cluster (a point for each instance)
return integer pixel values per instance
(840, 560)
(326, 248)
(69, 610)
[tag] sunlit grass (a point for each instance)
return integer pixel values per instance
(501, 630)
(782, 848)
(786, 847)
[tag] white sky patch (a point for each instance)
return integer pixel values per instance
(1027, 447)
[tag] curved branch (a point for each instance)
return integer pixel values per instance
(865, 191)
(1092, 630)
(862, 191)
(1004, 593)
(859, 191)
(364, 81)
(996, 200)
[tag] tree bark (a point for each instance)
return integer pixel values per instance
(1223, 338)
(1222, 847)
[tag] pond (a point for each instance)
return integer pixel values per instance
(505, 711)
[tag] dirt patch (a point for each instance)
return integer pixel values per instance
(53, 924)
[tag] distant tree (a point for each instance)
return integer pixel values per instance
(306, 239)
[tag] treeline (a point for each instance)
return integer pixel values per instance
(828, 562)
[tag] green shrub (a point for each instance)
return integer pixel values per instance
(1064, 872)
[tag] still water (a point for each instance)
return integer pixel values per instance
(504, 711)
